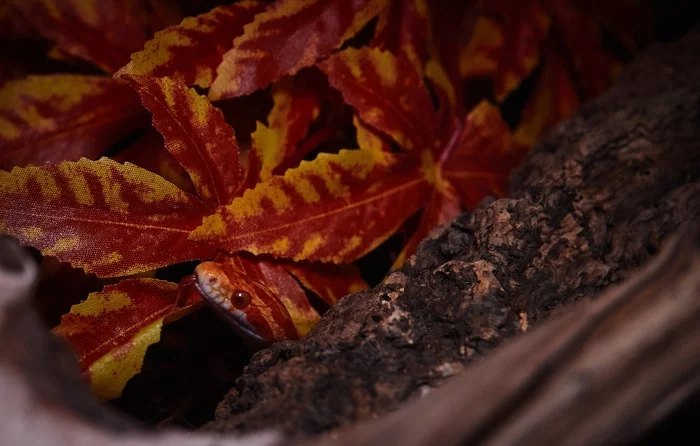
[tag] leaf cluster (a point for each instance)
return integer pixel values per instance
(288, 138)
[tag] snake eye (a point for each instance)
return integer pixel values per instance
(240, 299)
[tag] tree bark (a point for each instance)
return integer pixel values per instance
(605, 373)
(591, 205)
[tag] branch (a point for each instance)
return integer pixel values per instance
(604, 373)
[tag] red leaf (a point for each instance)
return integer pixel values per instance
(112, 329)
(449, 20)
(403, 29)
(103, 32)
(107, 218)
(483, 156)
(64, 117)
(296, 107)
(191, 51)
(370, 139)
(329, 282)
(387, 93)
(505, 43)
(149, 152)
(290, 35)
(196, 133)
(334, 208)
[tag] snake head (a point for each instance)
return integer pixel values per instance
(252, 309)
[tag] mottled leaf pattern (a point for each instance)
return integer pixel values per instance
(387, 93)
(111, 330)
(191, 51)
(196, 133)
(288, 36)
(370, 139)
(79, 28)
(403, 28)
(295, 108)
(149, 152)
(105, 217)
(322, 210)
(64, 117)
(450, 26)
(337, 124)
(505, 43)
(483, 155)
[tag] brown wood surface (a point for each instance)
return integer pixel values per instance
(604, 373)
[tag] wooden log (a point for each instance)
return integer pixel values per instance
(604, 373)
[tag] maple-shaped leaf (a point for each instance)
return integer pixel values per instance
(335, 208)
(112, 329)
(196, 133)
(149, 152)
(554, 98)
(327, 131)
(328, 281)
(107, 218)
(103, 32)
(483, 155)
(403, 29)
(277, 281)
(64, 117)
(295, 108)
(505, 43)
(387, 93)
(288, 36)
(191, 51)
(444, 205)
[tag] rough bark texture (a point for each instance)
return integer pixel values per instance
(591, 205)
(604, 373)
